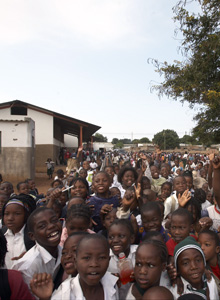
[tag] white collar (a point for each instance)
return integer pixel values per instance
(46, 256)
(10, 233)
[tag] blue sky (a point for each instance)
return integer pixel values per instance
(88, 59)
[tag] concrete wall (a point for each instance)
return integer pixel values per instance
(17, 157)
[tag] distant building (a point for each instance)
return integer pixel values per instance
(50, 128)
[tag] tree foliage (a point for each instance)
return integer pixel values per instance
(188, 139)
(196, 79)
(119, 144)
(115, 141)
(100, 138)
(166, 139)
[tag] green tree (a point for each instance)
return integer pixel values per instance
(187, 139)
(100, 138)
(135, 141)
(115, 141)
(144, 140)
(119, 145)
(166, 139)
(196, 79)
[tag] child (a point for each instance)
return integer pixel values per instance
(127, 176)
(158, 292)
(120, 238)
(107, 219)
(12, 285)
(194, 207)
(92, 282)
(157, 181)
(45, 229)
(15, 213)
(166, 189)
(23, 188)
(61, 176)
(189, 260)
(101, 184)
(181, 226)
(50, 167)
(31, 185)
(7, 188)
(3, 199)
(172, 203)
(80, 188)
(151, 258)
(209, 242)
(152, 220)
(189, 182)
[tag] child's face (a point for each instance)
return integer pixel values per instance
(14, 217)
(145, 185)
(154, 172)
(191, 267)
(179, 184)
(165, 191)
(180, 228)
(120, 239)
(109, 219)
(189, 182)
(128, 179)
(63, 199)
(23, 189)
(205, 187)
(116, 192)
(31, 184)
(79, 189)
(7, 189)
(68, 254)
(209, 197)
(148, 267)
(151, 220)
(110, 171)
(76, 224)
(83, 173)
(164, 172)
(208, 246)
(86, 165)
(192, 210)
(101, 184)
(116, 169)
(92, 261)
(176, 161)
(47, 229)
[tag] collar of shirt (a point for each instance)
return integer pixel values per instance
(133, 249)
(46, 256)
(10, 233)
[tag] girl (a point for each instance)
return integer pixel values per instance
(194, 207)
(127, 176)
(12, 285)
(166, 190)
(151, 259)
(101, 184)
(79, 188)
(15, 213)
(120, 238)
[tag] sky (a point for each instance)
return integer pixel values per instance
(88, 59)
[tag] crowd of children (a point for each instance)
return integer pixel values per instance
(162, 211)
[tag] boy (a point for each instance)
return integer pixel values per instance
(151, 219)
(181, 225)
(172, 203)
(190, 263)
(45, 229)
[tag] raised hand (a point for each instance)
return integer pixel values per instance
(186, 196)
(42, 286)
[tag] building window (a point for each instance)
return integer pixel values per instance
(19, 110)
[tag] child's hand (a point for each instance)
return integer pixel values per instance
(42, 286)
(186, 196)
(106, 208)
(128, 200)
(171, 270)
(216, 163)
(138, 190)
(205, 223)
(208, 275)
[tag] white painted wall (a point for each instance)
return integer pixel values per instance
(107, 146)
(70, 141)
(17, 133)
(43, 124)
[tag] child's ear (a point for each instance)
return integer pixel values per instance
(31, 236)
(164, 265)
(191, 227)
(217, 249)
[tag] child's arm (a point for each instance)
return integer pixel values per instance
(42, 286)
(216, 179)
(210, 170)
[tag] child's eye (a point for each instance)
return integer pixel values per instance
(102, 257)
(110, 237)
(150, 266)
(122, 236)
(138, 264)
(86, 257)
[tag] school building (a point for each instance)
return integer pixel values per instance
(30, 134)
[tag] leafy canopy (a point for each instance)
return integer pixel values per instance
(196, 79)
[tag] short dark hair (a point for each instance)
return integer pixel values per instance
(94, 237)
(184, 213)
(159, 245)
(151, 206)
(124, 222)
(212, 234)
(84, 181)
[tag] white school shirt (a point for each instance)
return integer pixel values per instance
(71, 289)
(168, 204)
(214, 214)
(113, 263)
(15, 246)
(213, 291)
(37, 260)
